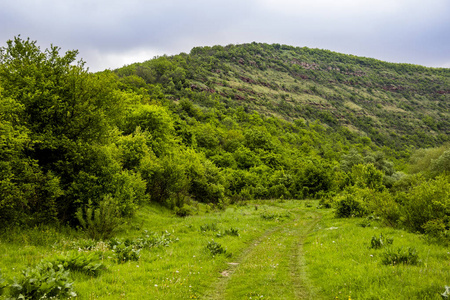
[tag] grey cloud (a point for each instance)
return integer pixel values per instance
(396, 30)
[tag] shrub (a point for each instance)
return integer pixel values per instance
(438, 229)
(101, 222)
(400, 256)
(46, 280)
(367, 176)
(231, 231)
(183, 211)
(327, 200)
(383, 204)
(428, 201)
(350, 206)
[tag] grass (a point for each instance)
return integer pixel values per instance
(341, 262)
(183, 269)
(260, 250)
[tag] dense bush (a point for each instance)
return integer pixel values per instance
(428, 203)
(350, 205)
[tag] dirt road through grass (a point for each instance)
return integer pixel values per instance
(272, 267)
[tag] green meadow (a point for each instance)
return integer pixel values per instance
(257, 250)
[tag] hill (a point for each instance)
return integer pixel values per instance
(218, 126)
(395, 105)
(205, 148)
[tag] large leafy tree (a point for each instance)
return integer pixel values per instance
(55, 112)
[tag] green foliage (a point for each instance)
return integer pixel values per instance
(154, 119)
(66, 114)
(446, 293)
(126, 253)
(215, 248)
(367, 176)
(268, 215)
(100, 222)
(147, 240)
(383, 204)
(187, 127)
(46, 280)
(438, 229)
(380, 242)
(314, 179)
(427, 202)
(209, 227)
(349, 205)
(184, 211)
(231, 232)
(442, 164)
(426, 160)
(3, 284)
(84, 262)
(398, 256)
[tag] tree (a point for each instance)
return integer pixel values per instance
(64, 112)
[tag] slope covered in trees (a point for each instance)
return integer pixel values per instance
(397, 105)
(219, 125)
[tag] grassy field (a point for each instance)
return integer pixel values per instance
(260, 250)
(343, 264)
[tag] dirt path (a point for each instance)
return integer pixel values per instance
(297, 263)
(272, 267)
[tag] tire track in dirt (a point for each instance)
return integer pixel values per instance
(219, 291)
(300, 228)
(297, 264)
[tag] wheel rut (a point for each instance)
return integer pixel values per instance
(274, 261)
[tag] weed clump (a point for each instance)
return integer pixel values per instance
(129, 250)
(230, 232)
(88, 263)
(215, 248)
(407, 256)
(269, 216)
(126, 253)
(209, 227)
(46, 280)
(380, 242)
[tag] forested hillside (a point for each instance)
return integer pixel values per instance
(219, 125)
(395, 105)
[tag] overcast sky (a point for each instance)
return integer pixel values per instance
(112, 33)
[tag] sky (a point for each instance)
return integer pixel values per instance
(110, 34)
